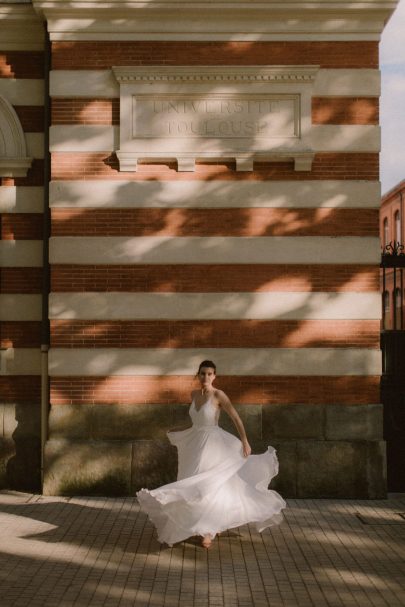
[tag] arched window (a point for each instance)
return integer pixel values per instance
(397, 226)
(398, 309)
(386, 310)
(13, 148)
(386, 232)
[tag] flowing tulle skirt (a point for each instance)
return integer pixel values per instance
(217, 488)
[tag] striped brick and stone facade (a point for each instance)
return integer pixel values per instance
(21, 217)
(263, 258)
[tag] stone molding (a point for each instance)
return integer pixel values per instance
(217, 74)
(20, 28)
(127, 362)
(14, 161)
(20, 361)
(141, 88)
(291, 305)
(120, 194)
(342, 82)
(20, 306)
(215, 20)
(126, 250)
(21, 253)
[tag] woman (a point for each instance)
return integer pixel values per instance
(220, 485)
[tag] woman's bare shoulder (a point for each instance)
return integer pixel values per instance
(220, 395)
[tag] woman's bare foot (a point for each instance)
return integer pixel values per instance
(206, 542)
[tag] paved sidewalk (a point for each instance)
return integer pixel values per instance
(102, 552)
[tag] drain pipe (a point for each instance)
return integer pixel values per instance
(45, 334)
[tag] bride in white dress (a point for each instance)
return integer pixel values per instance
(220, 485)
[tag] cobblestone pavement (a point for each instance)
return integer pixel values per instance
(81, 551)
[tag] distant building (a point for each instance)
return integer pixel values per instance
(392, 231)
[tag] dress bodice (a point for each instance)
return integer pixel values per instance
(206, 415)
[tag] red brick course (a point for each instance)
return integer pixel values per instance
(21, 280)
(345, 110)
(21, 64)
(242, 389)
(336, 165)
(85, 111)
(20, 388)
(31, 118)
(102, 55)
(20, 334)
(214, 278)
(214, 333)
(21, 226)
(228, 222)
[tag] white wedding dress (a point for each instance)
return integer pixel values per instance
(217, 488)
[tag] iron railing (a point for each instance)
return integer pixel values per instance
(393, 264)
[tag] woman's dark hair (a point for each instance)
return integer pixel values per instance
(207, 363)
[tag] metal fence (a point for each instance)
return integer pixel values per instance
(393, 353)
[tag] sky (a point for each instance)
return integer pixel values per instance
(392, 116)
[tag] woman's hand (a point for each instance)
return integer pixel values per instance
(247, 450)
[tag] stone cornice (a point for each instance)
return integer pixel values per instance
(215, 20)
(276, 5)
(223, 75)
(20, 27)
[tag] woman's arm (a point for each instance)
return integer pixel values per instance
(233, 414)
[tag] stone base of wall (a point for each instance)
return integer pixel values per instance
(20, 447)
(333, 451)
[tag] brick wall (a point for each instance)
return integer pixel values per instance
(272, 273)
(103, 55)
(21, 228)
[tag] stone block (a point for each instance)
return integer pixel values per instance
(20, 463)
(70, 421)
(286, 480)
(292, 421)
(20, 453)
(74, 467)
(130, 422)
(354, 422)
(180, 415)
(22, 420)
(377, 469)
(7, 452)
(154, 463)
(251, 416)
(24, 469)
(339, 469)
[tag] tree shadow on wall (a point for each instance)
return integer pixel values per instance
(147, 216)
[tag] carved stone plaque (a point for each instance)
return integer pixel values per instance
(209, 113)
(217, 116)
